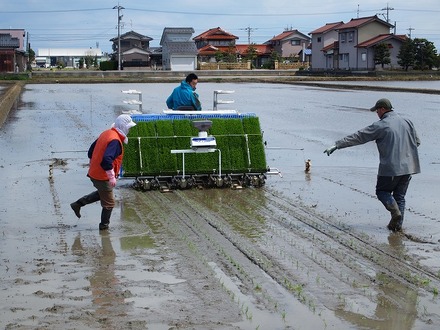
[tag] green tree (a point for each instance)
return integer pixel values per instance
(31, 59)
(382, 54)
(218, 56)
(251, 54)
(230, 56)
(406, 55)
(425, 54)
(274, 56)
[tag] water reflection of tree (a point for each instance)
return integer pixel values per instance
(396, 307)
(107, 294)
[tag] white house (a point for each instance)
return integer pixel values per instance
(70, 57)
(179, 51)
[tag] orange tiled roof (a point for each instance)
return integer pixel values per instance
(261, 49)
(239, 49)
(211, 50)
(215, 34)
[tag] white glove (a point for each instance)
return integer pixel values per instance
(330, 150)
(111, 177)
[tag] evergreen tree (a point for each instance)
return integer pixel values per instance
(230, 56)
(382, 54)
(425, 54)
(251, 54)
(406, 56)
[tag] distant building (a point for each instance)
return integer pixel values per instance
(323, 50)
(68, 57)
(214, 41)
(135, 49)
(290, 43)
(218, 41)
(13, 50)
(179, 52)
(351, 46)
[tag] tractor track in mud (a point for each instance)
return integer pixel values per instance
(255, 233)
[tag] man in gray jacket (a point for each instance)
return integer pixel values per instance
(397, 143)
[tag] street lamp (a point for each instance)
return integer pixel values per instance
(119, 8)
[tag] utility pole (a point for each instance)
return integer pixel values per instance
(119, 8)
(410, 29)
(249, 30)
(388, 8)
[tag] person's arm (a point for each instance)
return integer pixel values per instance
(92, 147)
(112, 151)
(196, 102)
(367, 134)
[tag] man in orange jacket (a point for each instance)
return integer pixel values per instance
(106, 155)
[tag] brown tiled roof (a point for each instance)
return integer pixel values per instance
(358, 22)
(239, 49)
(333, 45)
(287, 34)
(211, 50)
(327, 27)
(381, 38)
(215, 34)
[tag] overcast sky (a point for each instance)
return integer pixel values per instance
(92, 23)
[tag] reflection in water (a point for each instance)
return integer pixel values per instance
(107, 295)
(396, 307)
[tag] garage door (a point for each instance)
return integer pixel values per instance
(182, 63)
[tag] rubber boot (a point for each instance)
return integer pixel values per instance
(396, 217)
(105, 218)
(87, 199)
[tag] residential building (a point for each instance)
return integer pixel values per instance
(353, 48)
(354, 33)
(135, 49)
(323, 50)
(290, 44)
(216, 40)
(263, 53)
(367, 50)
(213, 41)
(68, 57)
(13, 50)
(179, 52)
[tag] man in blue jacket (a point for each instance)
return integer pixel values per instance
(397, 142)
(184, 97)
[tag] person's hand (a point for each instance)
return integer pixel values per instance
(330, 150)
(111, 177)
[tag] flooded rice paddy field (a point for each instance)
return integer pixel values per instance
(306, 251)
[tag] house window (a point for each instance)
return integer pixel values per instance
(295, 42)
(343, 58)
(364, 57)
(350, 36)
(318, 39)
(343, 37)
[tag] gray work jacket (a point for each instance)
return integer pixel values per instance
(396, 140)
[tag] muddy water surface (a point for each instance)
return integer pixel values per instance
(307, 251)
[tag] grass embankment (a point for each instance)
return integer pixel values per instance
(8, 97)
